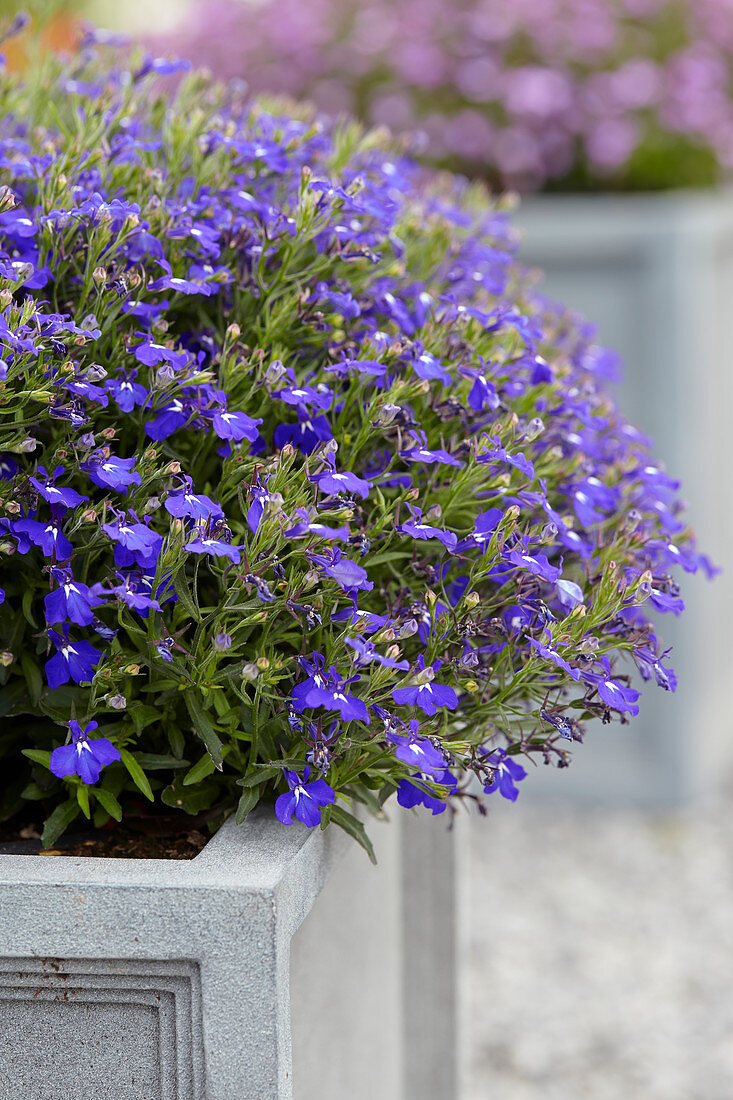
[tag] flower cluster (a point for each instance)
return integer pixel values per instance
(305, 496)
(569, 94)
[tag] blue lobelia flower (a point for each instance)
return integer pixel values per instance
(72, 600)
(72, 661)
(419, 530)
(61, 498)
(344, 571)
(410, 793)
(304, 800)
(126, 392)
(236, 426)
(112, 473)
(415, 751)
(214, 548)
(613, 693)
(48, 536)
(191, 505)
(430, 697)
(329, 481)
(83, 757)
(507, 773)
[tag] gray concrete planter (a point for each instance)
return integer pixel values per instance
(655, 273)
(126, 979)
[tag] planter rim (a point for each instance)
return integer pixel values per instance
(252, 857)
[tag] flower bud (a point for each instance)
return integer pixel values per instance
(274, 373)
(233, 331)
(86, 441)
(549, 532)
(472, 599)
(151, 505)
(28, 445)
(109, 433)
(387, 414)
(100, 276)
(6, 297)
(470, 685)
(535, 428)
(223, 642)
(250, 672)
(173, 468)
(13, 507)
(6, 659)
(133, 670)
(116, 702)
(263, 664)
(89, 515)
(407, 628)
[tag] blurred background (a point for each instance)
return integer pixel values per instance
(596, 933)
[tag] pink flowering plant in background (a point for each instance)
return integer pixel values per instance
(531, 94)
(306, 497)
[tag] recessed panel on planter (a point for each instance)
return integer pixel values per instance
(121, 1030)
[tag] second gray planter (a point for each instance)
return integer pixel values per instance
(655, 274)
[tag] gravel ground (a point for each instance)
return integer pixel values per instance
(601, 954)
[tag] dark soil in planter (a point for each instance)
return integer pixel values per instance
(155, 837)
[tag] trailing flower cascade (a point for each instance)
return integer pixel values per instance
(307, 497)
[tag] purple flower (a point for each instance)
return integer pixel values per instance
(344, 571)
(419, 530)
(613, 693)
(169, 419)
(71, 600)
(329, 481)
(366, 653)
(536, 564)
(214, 548)
(236, 426)
(424, 693)
(137, 544)
(486, 524)
(417, 752)
(113, 473)
(83, 757)
(308, 525)
(188, 505)
(410, 794)
(126, 392)
(60, 498)
(182, 286)
(304, 800)
(548, 653)
(428, 455)
(72, 661)
(47, 536)
(150, 354)
(507, 773)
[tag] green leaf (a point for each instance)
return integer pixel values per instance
(263, 772)
(203, 727)
(109, 802)
(184, 595)
(192, 800)
(59, 821)
(152, 762)
(38, 756)
(82, 797)
(33, 678)
(247, 803)
(201, 770)
(137, 775)
(26, 606)
(353, 827)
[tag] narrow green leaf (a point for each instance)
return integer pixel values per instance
(137, 775)
(263, 772)
(353, 827)
(200, 770)
(203, 727)
(109, 802)
(247, 803)
(59, 821)
(38, 756)
(33, 678)
(82, 797)
(184, 595)
(152, 762)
